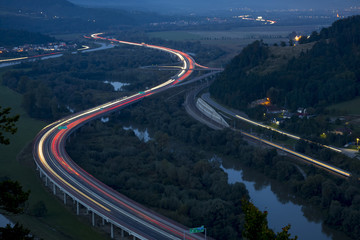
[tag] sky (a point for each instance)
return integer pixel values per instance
(204, 5)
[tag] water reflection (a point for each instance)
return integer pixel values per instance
(283, 208)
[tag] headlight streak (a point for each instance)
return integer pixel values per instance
(285, 133)
(311, 160)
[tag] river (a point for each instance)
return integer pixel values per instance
(269, 195)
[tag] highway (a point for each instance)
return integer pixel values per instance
(53, 162)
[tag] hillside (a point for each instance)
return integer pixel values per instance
(328, 72)
(62, 16)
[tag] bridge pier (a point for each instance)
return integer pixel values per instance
(77, 208)
(64, 198)
(103, 221)
(122, 233)
(46, 181)
(54, 188)
(111, 231)
(93, 219)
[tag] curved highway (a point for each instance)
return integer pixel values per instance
(53, 161)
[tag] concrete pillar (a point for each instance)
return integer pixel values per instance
(87, 211)
(134, 238)
(111, 231)
(77, 208)
(93, 219)
(64, 198)
(103, 221)
(40, 173)
(122, 233)
(46, 181)
(54, 188)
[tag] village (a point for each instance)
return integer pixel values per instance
(27, 50)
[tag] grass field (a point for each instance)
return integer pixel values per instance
(231, 41)
(237, 38)
(349, 107)
(59, 223)
(175, 35)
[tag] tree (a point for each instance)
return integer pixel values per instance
(7, 124)
(16, 232)
(284, 234)
(256, 225)
(12, 200)
(12, 196)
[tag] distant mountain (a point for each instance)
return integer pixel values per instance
(35, 4)
(64, 16)
(61, 7)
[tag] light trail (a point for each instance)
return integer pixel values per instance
(31, 57)
(58, 177)
(83, 48)
(285, 133)
(13, 59)
(311, 160)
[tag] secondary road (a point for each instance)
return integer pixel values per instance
(207, 98)
(277, 146)
(52, 159)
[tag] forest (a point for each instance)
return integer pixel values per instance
(180, 145)
(50, 88)
(326, 74)
(11, 38)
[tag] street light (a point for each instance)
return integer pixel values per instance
(357, 143)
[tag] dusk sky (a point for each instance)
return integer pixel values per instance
(203, 5)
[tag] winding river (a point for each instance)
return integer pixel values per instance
(269, 195)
